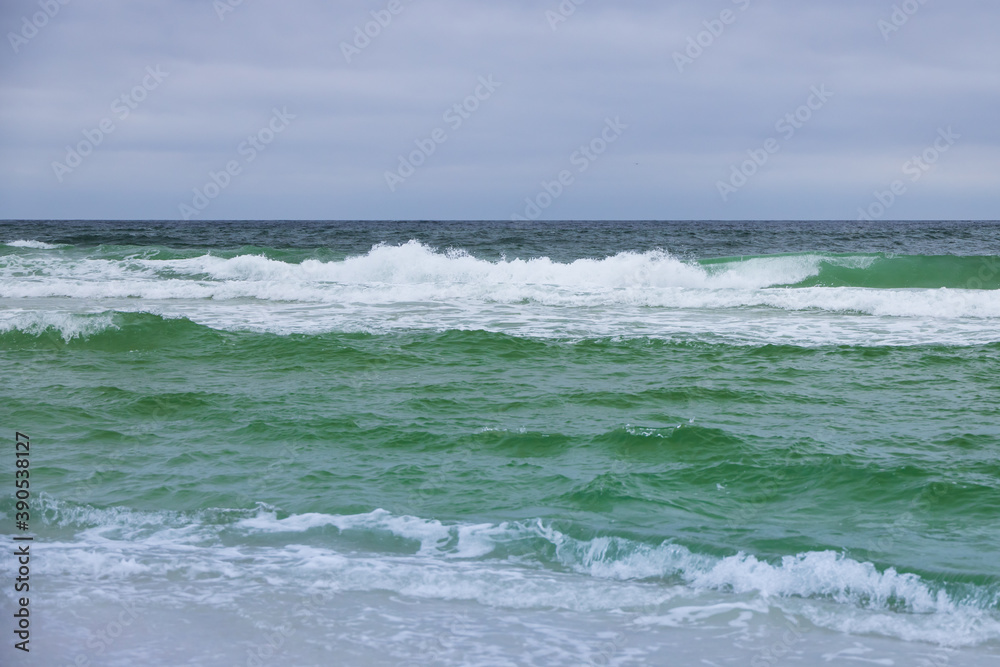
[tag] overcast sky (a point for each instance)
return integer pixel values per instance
(644, 110)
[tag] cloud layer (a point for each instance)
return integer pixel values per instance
(443, 109)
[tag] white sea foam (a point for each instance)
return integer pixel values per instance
(61, 324)
(514, 565)
(888, 599)
(414, 264)
(411, 286)
(29, 243)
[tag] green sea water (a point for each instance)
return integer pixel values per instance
(463, 446)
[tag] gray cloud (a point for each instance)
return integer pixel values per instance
(608, 59)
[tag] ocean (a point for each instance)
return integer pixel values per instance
(476, 443)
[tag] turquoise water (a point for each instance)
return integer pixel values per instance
(485, 443)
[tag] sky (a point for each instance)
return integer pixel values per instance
(463, 110)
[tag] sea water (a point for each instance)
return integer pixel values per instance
(443, 443)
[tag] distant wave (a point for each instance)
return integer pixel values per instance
(146, 327)
(413, 270)
(37, 245)
(808, 298)
(417, 264)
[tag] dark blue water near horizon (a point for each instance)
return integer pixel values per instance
(561, 241)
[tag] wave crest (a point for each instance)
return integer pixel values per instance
(31, 243)
(811, 299)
